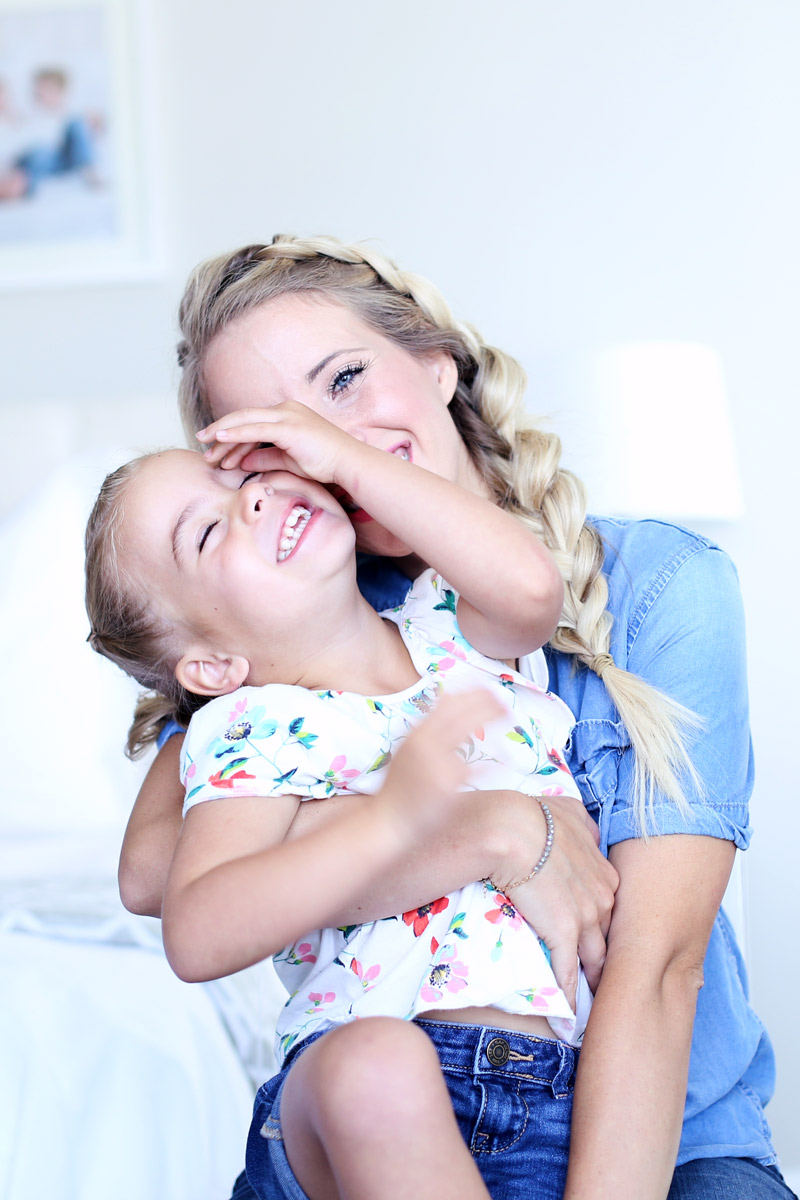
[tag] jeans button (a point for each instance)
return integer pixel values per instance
(498, 1051)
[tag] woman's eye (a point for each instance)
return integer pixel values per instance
(345, 377)
(205, 534)
(247, 478)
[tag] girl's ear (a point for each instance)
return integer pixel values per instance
(215, 675)
(446, 373)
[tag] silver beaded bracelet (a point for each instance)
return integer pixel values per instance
(548, 846)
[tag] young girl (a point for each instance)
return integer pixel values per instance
(205, 583)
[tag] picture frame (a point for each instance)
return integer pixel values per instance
(78, 201)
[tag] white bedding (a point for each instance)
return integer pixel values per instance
(117, 1081)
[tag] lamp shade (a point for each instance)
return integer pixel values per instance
(659, 440)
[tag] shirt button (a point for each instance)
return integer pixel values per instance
(498, 1051)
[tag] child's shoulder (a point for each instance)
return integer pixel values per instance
(431, 600)
(252, 712)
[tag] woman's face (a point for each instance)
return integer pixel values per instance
(321, 354)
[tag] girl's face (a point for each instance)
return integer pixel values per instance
(240, 559)
(324, 356)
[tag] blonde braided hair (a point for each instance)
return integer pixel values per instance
(518, 460)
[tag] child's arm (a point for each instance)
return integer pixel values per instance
(510, 588)
(496, 834)
(237, 892)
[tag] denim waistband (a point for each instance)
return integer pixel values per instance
(478, 1050)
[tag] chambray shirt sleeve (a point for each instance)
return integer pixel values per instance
(685, 635)
(170, 729)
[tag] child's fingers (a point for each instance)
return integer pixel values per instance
(457, 717)
(233, 422)
(220, 455)
(268, 458)
(254, 432)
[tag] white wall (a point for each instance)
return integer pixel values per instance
(571, 175)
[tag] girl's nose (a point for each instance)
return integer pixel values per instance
(251, 499)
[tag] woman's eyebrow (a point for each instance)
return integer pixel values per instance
(314, 372)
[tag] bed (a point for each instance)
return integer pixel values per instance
(116, 1079)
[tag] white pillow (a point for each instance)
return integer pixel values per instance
(64, 710)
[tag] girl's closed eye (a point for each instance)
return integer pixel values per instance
(204, 536)
(344, 378)
(247, 478)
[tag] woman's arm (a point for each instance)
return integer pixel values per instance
(686, 636)
(631, 1086)
(152, 833)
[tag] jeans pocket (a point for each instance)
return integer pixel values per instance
(503, 1118)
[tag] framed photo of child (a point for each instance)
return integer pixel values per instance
(76, 195)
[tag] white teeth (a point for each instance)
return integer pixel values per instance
(403, 452)
(293, 527)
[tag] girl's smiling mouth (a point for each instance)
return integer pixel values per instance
(293, 529)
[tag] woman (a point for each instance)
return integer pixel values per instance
(644, 602)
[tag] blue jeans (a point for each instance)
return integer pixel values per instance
(512, 1096)
(703, 1179)
(728, 1179)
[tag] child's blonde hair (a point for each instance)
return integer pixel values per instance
(124, 626)
(518, 460)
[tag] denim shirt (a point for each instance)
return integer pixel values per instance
(678, 623)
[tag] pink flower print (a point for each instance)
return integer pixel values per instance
(317, 1000)
(237, 710)
(504, 911)
(551, 791)
(540, 997)
(192, 771)
(448, 974)
(303, 953)
(452, 648)
(336, 776)
(367, 976)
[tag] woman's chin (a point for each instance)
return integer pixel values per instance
(379, 541)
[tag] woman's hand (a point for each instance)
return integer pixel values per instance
(569, 902)
(297, 440)
(500, 834)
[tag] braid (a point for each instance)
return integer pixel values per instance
(552, 502)
(518, 460)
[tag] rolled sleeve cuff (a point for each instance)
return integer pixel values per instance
(729, 822)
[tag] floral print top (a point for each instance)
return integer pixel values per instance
(469, 948)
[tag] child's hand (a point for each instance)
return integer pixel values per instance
(429, 770)
(299, 440)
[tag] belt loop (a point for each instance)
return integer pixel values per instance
(561, 1082)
